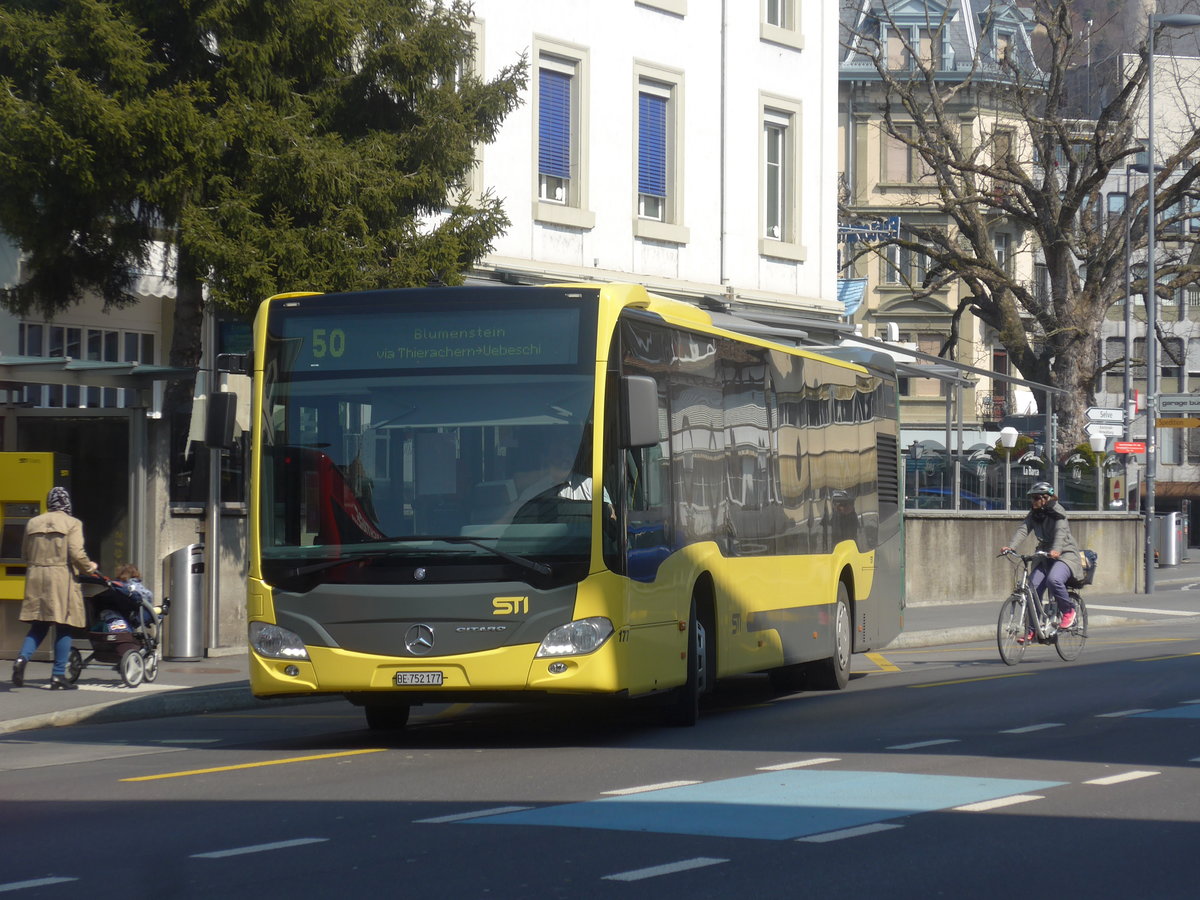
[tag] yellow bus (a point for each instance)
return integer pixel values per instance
(511, 493)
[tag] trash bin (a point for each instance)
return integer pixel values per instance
(1168, 538)
(183, 585)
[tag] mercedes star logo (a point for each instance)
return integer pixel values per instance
(419, 640)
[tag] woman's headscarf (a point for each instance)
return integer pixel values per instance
(58, 500)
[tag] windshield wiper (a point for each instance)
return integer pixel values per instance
(532, 565)
(351, 553)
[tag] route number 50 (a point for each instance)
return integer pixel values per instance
(325, 342)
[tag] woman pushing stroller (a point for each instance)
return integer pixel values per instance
(53, 553)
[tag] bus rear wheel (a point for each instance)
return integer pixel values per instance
(386, 717)
(833, 674)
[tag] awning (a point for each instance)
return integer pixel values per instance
(21, 371)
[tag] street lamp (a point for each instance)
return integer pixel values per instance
(1008, 440)
(1172, 21)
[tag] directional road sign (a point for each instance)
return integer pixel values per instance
(1108, 429)
(1178, 404)
(1105, 414)
(1177, 423)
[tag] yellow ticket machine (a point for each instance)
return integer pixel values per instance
(25, 480)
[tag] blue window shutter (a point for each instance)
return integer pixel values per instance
(554, 123)
(652, 145)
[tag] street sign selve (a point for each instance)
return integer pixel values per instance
(1105, 414)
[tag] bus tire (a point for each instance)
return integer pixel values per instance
(386, 716)
(833, 674)
(683, 708)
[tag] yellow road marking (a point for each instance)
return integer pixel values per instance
(1175, 656)
(884, 665)
(255, 765)
(969, 680)
(453, 709)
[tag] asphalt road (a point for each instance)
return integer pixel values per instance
(938, 772)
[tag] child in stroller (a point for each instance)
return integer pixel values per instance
(124, 626)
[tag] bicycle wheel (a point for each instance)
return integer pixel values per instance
(1069, 643)
(1011, 630)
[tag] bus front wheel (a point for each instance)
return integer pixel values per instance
(684, 705)
(386, 717)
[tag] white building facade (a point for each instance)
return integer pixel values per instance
(686, 145)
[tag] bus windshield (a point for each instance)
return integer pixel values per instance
(426, 461)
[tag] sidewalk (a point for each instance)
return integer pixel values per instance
(219, 683)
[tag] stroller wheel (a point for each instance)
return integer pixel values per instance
(133, 668)
(74, 665)
(151, 665)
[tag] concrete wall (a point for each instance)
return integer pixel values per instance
(951, 557)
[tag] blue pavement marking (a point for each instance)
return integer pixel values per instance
(1175, 712)
(775, 805)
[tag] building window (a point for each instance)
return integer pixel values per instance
(554, 136)
(1002, 245)
(901, 41)
(779, 23)
(561, 135)
(652, 151)
(902, 162)
(658, 159)
(775, 137)
(780, 180)
(1116, 209)
(929, 342)
(904, 266)
(94, 344)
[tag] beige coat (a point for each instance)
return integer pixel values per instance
(53, 545)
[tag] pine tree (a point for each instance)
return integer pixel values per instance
(274, 145)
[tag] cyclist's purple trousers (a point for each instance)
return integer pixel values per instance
(1059, 573)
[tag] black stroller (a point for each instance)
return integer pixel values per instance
(124, 631)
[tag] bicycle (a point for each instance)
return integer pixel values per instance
(1023, 613)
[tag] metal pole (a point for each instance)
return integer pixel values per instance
(1127, 379)
(212, 519)
(1151, 317)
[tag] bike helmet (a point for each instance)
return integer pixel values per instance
(1042, 487)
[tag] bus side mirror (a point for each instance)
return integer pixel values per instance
(219, 418)
(639, 411)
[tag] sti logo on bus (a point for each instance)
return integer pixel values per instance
(509, 606)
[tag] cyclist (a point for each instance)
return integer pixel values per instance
(1048, 523)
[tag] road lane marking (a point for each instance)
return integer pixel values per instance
(620, 792)
(1121, 713)
(1143, 609)
(816, 761)
(255, 765)
(1172, 656)
(848, 833)
(1028, 728)
(258, 848)
(969, 680)
(920, 744)
(999, 802)
(884, 665)
(478, 814)
(1124, 776)
(683, 865)
(32, 883)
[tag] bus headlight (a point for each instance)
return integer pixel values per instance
(575, 638)
(275, 642)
